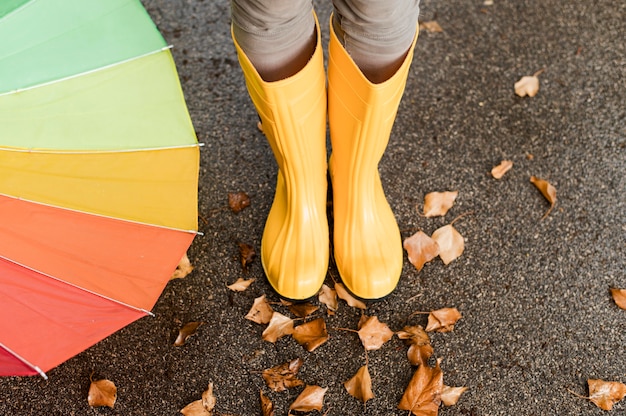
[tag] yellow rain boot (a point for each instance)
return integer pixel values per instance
(367, 243)
(295, 244)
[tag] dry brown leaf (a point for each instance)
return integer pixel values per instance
(240, 285)
(195, 409)
(189, 329)
(432, 27)
(443, 320)
(360, 385)
(606, 393)
(238, 201)
(437, 204)
(374, 334)
(499, 171)
(420, 349)
(261, 312)
(527, 85)
(102, 393)
(311, 334)
(619, 296)
(311, 398)
(267, 407)
(423, 394)
(548, 191)
(279, 326)
(343, 293)
(450, 241)
(451, 395)
(328, 297)
(420, 249)
(183, 269)
(247, 253)
(301, 310)
(208, 399)
(283, 377)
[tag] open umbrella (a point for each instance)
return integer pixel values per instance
(98, 175)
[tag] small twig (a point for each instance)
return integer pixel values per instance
(461, 216)
(344, 329)
(536, 74)
(578, 395)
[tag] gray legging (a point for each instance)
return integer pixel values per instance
(376, 33)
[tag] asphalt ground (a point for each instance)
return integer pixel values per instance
(538, 319)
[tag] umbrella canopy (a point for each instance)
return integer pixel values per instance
(98, 175)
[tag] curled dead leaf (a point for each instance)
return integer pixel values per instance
(422, 396)
(183, 269)
(431, 27)
(195, 409)
(420, 349)
(451, 395)
(240, 285)
(279, 326)
(247, 253)
(499, 171)
(283, 377)
(420, 249)
(443, 320)
(328, 297)
(450, 241)
(102, 393)
(343, 293)
(360, 385)
(311, 398)
(437, 204)
(605, 394)
(527, 85)
(548, 191)
(208, 399)
(267, 407)
(301, 310)
(188, 330)
(311, 334)
(261, 312)
(374, 334)
(237, 201)
(619, 296)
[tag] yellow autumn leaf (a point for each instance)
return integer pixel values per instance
(450, 241)
(619, 296)
(311, 398)
(240, 285)
(328, 297)
(343, 293)
(420, 249)
(443, 320)
(437, 204)
(283, 376)
(185, 332)
(499, 171)
(360, 385)
(605, 394)
(547, 190)
(451, 395)
(311, 334)
(373, 333)
(420, 349)
(422, 396)
(279, 326)
(183, 269)
(261, 312)
(102, 393)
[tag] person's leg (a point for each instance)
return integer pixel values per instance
(371, 49)
(287, 85)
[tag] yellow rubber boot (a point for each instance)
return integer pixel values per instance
(295, 244)
(367, 242)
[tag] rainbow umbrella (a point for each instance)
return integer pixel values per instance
(98, 175)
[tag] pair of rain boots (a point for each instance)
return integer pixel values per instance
(295, 243)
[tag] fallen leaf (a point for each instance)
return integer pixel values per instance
(488, 3)
(247, 253)
(606, 393)
(420, 349)
(437, 204)
(240, 285)
(360, 385)
(261, 311)
(619, 296)
(443, 320)
(422, 396)
(311, 334)
(238, 201)
(185, 332)
(374, 334)
(548, 191)
(195, 409)
(420, 249)
(499, 171)
(102, 393)
(301, 310)
(311, 398)
(328, 297)
(451, 243)
(183, 269)
(451, 395)
(527, 85)
(208, 399)
(283, 377)
(267, 407)
(343, 293)
(432, 27)
(279, 326)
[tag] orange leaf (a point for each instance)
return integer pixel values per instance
(548, 191)
(606, 393)
(328, 297)
(311, 398)
(311, 334)
(437, 204)
(499, 171)
(374, 334)
(283, 377)
(451, 395)
(240, 285)
(420, 349)
(301, 310)
(267, 407)
(183, 269)
(261, 312)
(195, 409)
(185, 332)
(421, 249)
(360, 385)
(450, 241)
(443, 320)
(279, 326)
(102, 393)
(423, 394)
(238, 201)
(247, 253)
(343, 293)
(619, 296)
(432, 27)
(208, 399)
(527, 85)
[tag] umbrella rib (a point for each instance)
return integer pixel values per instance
(24, 361)
(19, 9)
